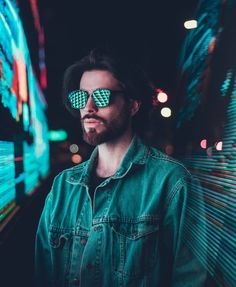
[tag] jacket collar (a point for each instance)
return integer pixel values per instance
(136, 155)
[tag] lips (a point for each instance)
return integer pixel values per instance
(92, 122)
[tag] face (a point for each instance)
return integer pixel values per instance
(107, 123)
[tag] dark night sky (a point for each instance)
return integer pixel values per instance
(152, 31)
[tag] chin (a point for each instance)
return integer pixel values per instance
(92, 137)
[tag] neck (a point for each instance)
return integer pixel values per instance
(110, 154)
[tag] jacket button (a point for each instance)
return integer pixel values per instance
(83, 241)
(97, 228)
(56, 240)
(89, 266)
(75, 281)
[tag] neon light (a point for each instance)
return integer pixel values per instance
(42, 66)
(217, 173)
(7, 176)
(59, 135)
(26, 121)
(21, 164)
(215, 165)
(22, 79)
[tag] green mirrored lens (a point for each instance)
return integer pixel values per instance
(101, 97)
(78, 99)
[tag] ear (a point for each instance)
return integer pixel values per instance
(134, 106)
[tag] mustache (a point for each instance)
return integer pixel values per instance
(95, 117)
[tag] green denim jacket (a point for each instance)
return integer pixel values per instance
(133, 235)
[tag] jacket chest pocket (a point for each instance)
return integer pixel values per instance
(134, 248)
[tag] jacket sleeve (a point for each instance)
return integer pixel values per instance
(43, 264)
(184, 236)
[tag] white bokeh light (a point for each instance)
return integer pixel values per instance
(74, 148)
(162, 97)
(190, 24)
(166, 112)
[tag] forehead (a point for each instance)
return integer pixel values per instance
(94, 79)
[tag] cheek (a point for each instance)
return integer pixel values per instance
(111, 115)
(108, 113)
(82, 113)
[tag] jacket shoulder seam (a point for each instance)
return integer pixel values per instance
(164, 157)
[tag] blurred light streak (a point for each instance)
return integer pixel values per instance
(57, 135)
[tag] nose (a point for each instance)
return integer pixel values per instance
(90, 106)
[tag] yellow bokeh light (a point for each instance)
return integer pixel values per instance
(76, 158)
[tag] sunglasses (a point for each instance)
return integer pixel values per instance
(101, 98)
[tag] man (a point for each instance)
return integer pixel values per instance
(117, 219)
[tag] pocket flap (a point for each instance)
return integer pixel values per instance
(58, 238)
(135, 230)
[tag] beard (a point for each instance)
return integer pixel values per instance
(113, 128)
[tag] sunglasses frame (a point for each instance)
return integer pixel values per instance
(86, 95)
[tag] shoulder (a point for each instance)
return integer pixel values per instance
(65, 184)
(167, 164)
(70, 173)
(65, 180)
(178, 182)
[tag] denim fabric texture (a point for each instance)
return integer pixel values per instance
(134, 235)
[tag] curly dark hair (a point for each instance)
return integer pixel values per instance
(135, 81)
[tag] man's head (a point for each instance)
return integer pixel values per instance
(109, 94)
